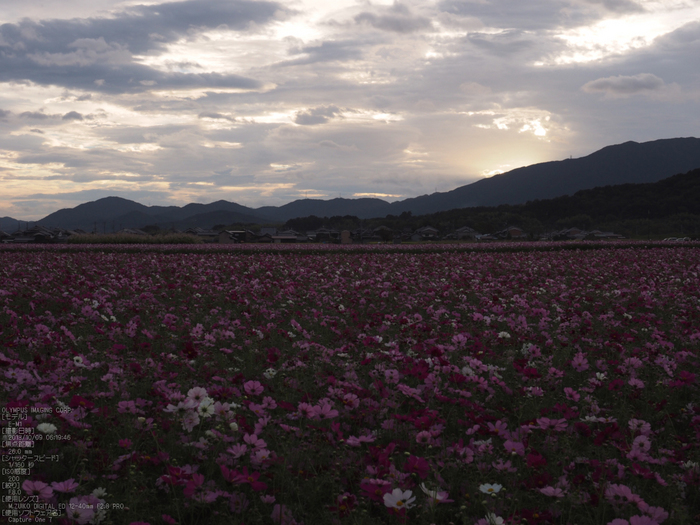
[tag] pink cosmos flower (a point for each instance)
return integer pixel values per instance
(642, 443)
(192, 485)
(128, 407)
(391, 376)
(190, 420)
(168, 519)
(424, 437)
(258, 410)
(504, 466)
(579, 362)
(259, 456)
(554, 492)
(375, 489)
(351, 401)
(436, 496)
(514, 447)
(237, 450)
(252, 478)
(643, 520)
(68, 485)
(658, 513)
(267, 498)
(499, 427)
(254, 441)
(253, 388)
(325, 411)
(621, 493)
(238, 502)
(572, 395)
(37, 488)
(79, 511)
(306, 410)
(282, 515)
(197, 393)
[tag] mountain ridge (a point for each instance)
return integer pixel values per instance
(629, 162)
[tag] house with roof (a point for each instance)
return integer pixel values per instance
(236, 236)
(426, 233)
(511, 232)
(465, 232)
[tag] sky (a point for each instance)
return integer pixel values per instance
(264, 102)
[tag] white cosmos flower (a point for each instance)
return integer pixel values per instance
(206, 410)
(493, 519)
(489, 488)
(46, 428)
(399, 499)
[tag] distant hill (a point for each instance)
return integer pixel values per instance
(363, 208)
(115, 213)
(669, 207)
(630, 162)
(673, 196)
(9, 225)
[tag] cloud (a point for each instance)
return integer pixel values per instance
(4, 114)
(524, 15)
(72, 115)
(328, 51)
(319, 115)
(36, 115)
(88, 52)
(622, 86)
(216, 116)
(503, 44)
(396, 18)
(334, 145)
(101, 52)
(619, 6)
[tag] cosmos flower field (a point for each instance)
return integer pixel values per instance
(357, 387)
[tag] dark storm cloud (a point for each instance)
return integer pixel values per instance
(97, 53)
